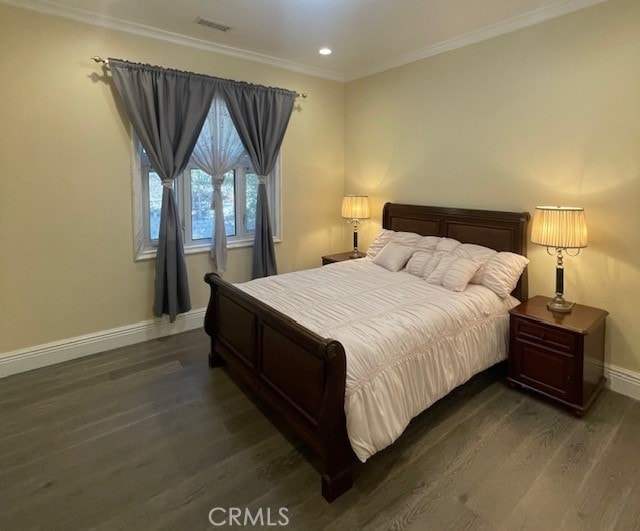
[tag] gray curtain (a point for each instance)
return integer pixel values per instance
(261, 116)
(167, 109)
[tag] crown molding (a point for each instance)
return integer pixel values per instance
(481, 34)
(95, 19)
(494, 30)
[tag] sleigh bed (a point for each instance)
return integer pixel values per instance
(303, 375)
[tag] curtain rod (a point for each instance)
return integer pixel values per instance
(105, 62)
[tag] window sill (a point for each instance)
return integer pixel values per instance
(150, 254)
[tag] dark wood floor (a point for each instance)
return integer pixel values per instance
(149, 437)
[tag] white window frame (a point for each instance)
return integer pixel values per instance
(145, 249)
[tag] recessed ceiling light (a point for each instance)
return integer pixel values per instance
(324, 51)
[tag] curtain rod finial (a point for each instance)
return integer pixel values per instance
(99, 59)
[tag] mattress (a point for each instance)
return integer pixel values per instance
(408, 343)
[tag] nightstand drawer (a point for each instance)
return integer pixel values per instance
(545, 336)
(546, 370)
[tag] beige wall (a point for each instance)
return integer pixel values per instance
(66, 249)
(546, 115)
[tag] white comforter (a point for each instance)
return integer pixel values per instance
(408, 343)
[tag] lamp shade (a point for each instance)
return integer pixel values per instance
(559, 227)
(355, 207)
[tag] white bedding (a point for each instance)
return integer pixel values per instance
(408, 343)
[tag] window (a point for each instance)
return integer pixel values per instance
(194, 192)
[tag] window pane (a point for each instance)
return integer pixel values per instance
(155, 205)
(201, 213)
(229, 202)
(252, 196)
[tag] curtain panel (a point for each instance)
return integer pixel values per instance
(218, 150)
(261, 116)
(167, 109)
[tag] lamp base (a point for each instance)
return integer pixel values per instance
(354, 254)
(558, 304)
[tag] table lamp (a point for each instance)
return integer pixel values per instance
(560, 228)
(355, 208)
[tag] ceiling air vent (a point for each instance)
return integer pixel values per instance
(212, 24)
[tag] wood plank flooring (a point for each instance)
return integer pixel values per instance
(149, 437)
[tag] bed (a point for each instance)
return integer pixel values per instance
(291, 351)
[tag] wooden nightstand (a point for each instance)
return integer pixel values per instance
(340, 257)
(558, 355)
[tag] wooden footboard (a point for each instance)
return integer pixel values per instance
(298, 373)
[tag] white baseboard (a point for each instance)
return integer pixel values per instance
(622, 381)
(76, 347)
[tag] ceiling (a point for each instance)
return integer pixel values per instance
(366, 36)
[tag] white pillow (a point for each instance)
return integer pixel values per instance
(432, 263)
(393, 256)
(443, 266)
(460, 273)
(475, 252)
(416, 264)
(383, 237)
(447, 245)
(502, 272)
(410, 239)
(427, 243)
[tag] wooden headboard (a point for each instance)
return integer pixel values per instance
(502, 231)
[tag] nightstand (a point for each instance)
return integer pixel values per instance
(340, 257)
(558, 355)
